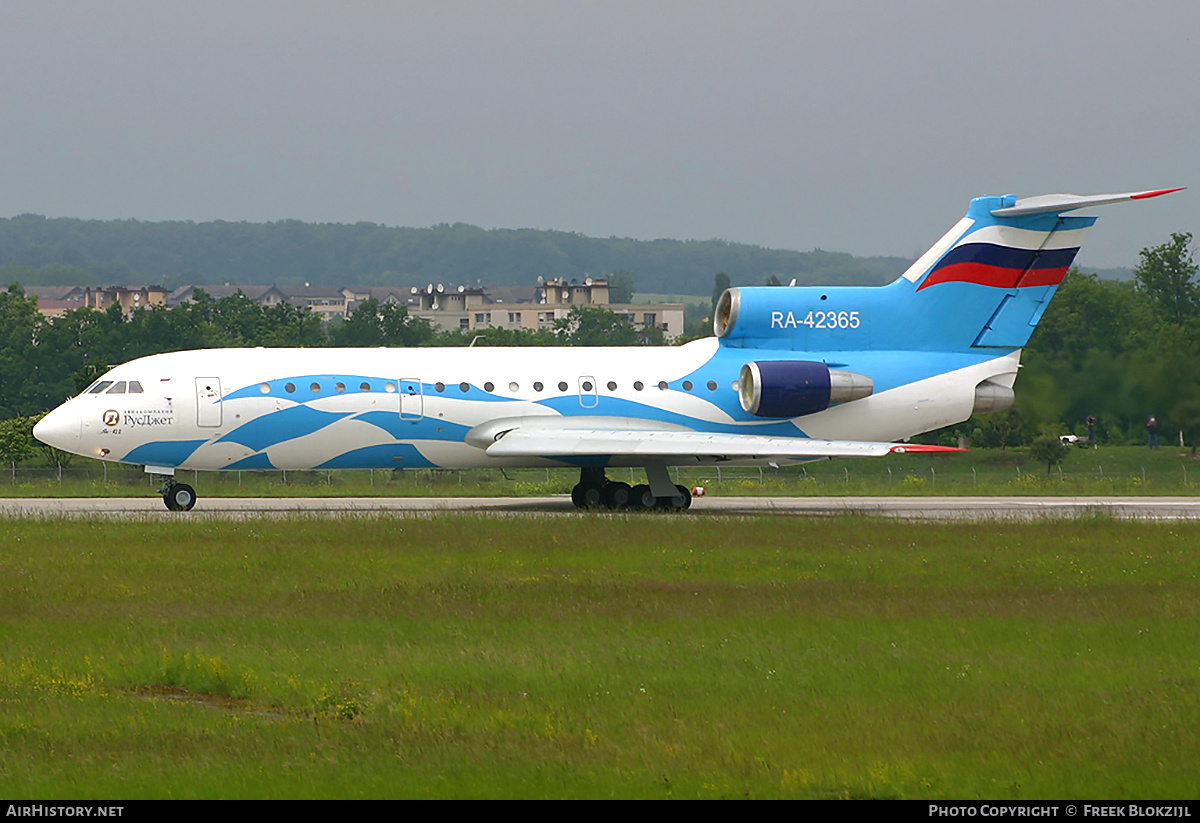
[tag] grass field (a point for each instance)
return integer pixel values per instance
(598, 656)
(1115, 470)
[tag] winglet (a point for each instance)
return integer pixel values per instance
(1067, 202)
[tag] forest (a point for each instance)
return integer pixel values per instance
(36, 250)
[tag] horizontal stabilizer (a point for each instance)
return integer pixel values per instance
(1066, 202)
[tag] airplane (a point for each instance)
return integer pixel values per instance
(792, 374)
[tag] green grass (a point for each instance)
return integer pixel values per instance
(1115, 470)
(598, 656)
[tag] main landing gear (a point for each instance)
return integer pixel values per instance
(594, 490)
(179, 497)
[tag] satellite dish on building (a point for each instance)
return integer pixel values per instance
(462, 289)
(413, 290)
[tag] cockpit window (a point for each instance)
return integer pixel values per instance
(118, 388)
(99, 387)
(135, 387)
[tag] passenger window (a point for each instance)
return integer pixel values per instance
(488, 386)
(439, 387)
(612, 386)
(687, 385)
(637, 385)
(364, 387)
(712, 385)
(662, 384)
(289, 387)
(562, 386)
(265, 388)
(315, 388)
(463, 387)
(538, 386)
(340, 388)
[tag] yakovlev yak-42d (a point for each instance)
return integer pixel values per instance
(792, 374)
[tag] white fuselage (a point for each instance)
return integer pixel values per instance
(419, 408)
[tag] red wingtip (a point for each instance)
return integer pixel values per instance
(919, 448)
(1146, 194)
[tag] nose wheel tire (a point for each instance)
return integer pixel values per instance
(180, 497)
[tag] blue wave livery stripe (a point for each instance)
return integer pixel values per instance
(277, 427)
(255, 462)
(424, 428)
(163, 452)
(385, 456)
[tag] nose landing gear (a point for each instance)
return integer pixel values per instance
(179, 497)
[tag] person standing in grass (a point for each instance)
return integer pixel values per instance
(1152, 433)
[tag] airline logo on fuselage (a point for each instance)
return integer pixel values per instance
(136, 419)
(154, 417)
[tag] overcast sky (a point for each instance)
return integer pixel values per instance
(850, 126)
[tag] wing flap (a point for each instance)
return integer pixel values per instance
(548, 442)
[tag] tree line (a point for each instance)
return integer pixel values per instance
(59, 251)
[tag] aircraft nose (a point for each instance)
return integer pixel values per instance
(60, 428)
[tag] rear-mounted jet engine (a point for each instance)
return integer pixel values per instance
(793, 388)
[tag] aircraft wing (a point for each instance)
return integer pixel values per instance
(549, 442)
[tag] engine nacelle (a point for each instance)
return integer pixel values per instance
(794, 388)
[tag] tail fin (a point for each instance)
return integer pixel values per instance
(1019, 251)
(984, 285)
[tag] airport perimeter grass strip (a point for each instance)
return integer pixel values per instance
(612, 657)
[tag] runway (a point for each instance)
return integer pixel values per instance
(907, 508)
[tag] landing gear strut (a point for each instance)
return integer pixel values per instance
(179, 497)
(594, 490)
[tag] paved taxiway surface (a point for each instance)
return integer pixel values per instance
(911, 508)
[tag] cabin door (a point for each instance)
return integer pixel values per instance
(208, 402)
(412, 399)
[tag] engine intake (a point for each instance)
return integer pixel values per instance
(794, 388)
